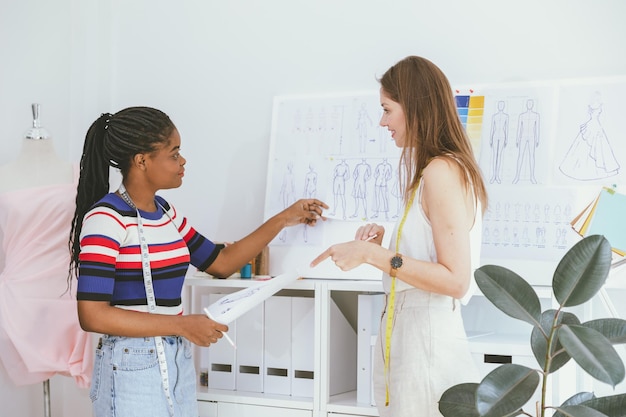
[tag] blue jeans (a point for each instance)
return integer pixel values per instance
(127, 381)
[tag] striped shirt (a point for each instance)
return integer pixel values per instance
(110, 257)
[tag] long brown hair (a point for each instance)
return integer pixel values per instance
(433, 127)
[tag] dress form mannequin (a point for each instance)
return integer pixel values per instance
(37, 163)
(39, 331)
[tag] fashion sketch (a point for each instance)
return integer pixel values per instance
(341, 174)
(382, 176)
(287, 193)
(590, 156)
(362, 173)
(497, 141)
(363, 123)
(527, 140)
(310, 191)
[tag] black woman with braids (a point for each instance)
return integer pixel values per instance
(131, 250)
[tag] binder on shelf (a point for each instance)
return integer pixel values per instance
(221, 363)
(249, 354)
(302, 346)
(277, 341)
(203, 362)
(342, 344)
(372, 350)
(368, 320)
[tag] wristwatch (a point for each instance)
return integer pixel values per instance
(396, 262)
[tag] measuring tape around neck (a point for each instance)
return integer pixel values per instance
(151, 298)
(392, 300)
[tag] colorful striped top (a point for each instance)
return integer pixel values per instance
(110, 258)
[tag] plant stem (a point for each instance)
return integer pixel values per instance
(546, 368)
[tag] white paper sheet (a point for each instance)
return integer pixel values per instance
(231, 306)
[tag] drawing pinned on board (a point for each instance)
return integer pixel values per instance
(498, 138)
(527, 140)
(590, 156)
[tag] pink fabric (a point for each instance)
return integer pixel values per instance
(39, 331)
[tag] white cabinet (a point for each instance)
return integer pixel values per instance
(309, 365)
(315, 323)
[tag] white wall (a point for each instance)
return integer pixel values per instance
(215, 66)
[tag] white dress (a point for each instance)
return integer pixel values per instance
(429, 349)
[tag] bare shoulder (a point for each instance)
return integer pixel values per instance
(443, 171)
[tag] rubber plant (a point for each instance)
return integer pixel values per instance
(557, 336)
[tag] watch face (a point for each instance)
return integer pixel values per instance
(396, 262)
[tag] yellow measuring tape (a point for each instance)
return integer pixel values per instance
(392, 299)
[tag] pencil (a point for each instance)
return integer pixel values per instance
(206, 310)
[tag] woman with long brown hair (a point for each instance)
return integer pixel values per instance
(422, 347)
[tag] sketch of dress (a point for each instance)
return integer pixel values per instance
(590, 157)
(362, 173)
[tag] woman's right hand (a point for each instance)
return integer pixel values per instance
(349, 255)
(201, 330)
(368, 231)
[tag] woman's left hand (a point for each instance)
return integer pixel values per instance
(346, 255)
(306, 210)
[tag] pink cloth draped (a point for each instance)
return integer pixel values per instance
(39, 331)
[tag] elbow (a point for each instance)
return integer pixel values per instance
(460, 289)
(86, 327)
(86, 323)
(219, 272)
(88, 314)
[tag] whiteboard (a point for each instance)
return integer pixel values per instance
(535, 143)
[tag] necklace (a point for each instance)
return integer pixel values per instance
(124, 194)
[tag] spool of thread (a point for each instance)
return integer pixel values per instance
(262, 262)
(246, 270)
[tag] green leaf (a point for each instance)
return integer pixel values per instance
(582, 271)
(579, 411)
(612, 406)
(509, 292)
(579, 398)
(505, 390)
(593, 352)
(576, 399)
(459, 401)
(539, 343)
(612, 328)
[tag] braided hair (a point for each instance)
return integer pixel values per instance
(112, 140)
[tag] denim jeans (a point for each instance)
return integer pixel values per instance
(127, 380)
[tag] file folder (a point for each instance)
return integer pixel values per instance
(203, 359)
(302, 346)
(221, 364)
(368, 318)
(277, 340)
(249, 354)
(343, 348)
